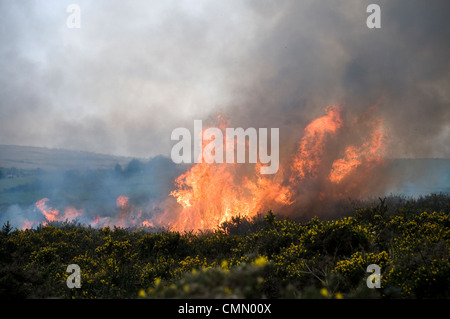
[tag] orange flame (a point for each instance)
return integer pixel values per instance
(70, 213)
(96, 221)
(50, 214)
(27, 224)
(212, 194)
(370, 153)
(310, 151)
(147, 223)
(209, 194)
(122, 202)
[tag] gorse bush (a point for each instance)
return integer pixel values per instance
(264, 257)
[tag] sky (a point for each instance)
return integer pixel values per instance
(136, 70)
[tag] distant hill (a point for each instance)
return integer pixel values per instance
(408, 176)
(29, 157)
(81, 179)
(419, 176)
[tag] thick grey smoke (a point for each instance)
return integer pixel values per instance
(136, 70)
(310, 54)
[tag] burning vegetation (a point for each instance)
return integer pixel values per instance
(322, 166)
(334, 157)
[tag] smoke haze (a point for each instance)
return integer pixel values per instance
(137, 70)
(134, 71)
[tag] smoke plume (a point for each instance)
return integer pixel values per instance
(134, 72)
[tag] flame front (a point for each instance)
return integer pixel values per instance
(52, 214)
(210, 194)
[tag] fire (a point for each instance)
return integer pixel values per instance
(50, 214)
(122, 202)
(333, 157)
(27, 224)
(71, 213)
(147, 223)
(310, 151)
(210, 194)
(370, 153)
(343, 166)
(96, 221)
(127, 215)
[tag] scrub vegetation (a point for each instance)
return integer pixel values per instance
(264, 257)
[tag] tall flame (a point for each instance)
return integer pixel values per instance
(312, 145)
(213, 193)
(332, 158)
(210, 194)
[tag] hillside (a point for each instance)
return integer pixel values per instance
(28, 174)
(89, 180)
(410, 177)
(28, 157)
(415, 177)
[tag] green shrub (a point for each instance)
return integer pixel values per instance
(267, 256)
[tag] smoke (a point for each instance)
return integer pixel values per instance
(127, 196)
(312, 54)
(134, 72)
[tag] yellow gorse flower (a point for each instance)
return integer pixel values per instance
(142, 293)
(224, 264)
(261, 261)
(338, 295)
